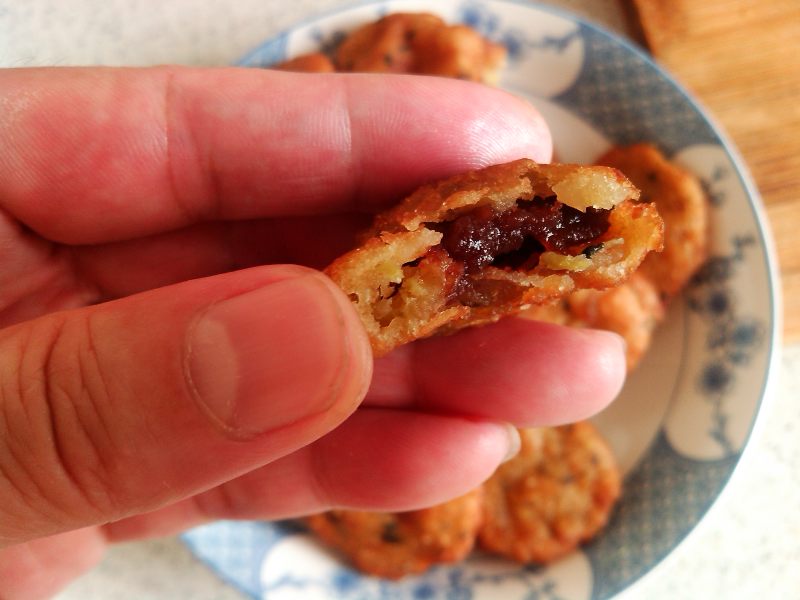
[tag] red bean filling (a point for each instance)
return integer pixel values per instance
(517, 237)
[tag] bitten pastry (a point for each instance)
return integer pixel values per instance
(393, 545)
(472, 248)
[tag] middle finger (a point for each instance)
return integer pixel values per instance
(523, 372)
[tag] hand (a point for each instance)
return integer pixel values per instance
(152, 377)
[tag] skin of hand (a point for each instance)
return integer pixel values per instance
(164, 358)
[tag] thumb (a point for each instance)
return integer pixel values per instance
(123, 407)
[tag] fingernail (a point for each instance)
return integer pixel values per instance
(269, 357)
(514, 442)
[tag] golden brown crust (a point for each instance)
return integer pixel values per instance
(420, 43)
(632, 310)
(635, 308)
(682, 204)
(393, 545)
(403, 284)
(315, 62)
(557, 493)
(500, 186)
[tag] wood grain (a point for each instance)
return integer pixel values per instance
(742, 59)
(791, 304)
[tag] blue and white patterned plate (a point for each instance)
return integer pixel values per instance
(683, 420)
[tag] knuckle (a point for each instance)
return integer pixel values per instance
(192, 176)
(55, 432)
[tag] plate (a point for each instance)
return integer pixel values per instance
(681, 424)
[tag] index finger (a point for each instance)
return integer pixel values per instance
(97, 155)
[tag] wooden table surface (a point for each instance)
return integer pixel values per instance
(742, 59)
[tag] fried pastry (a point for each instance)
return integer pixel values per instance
(475, 247)
(420, 43)
(315, 62)
(393, 545)
(557, 493)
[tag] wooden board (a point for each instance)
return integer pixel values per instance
(742, 59)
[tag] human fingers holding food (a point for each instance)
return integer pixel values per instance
(149, 368)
